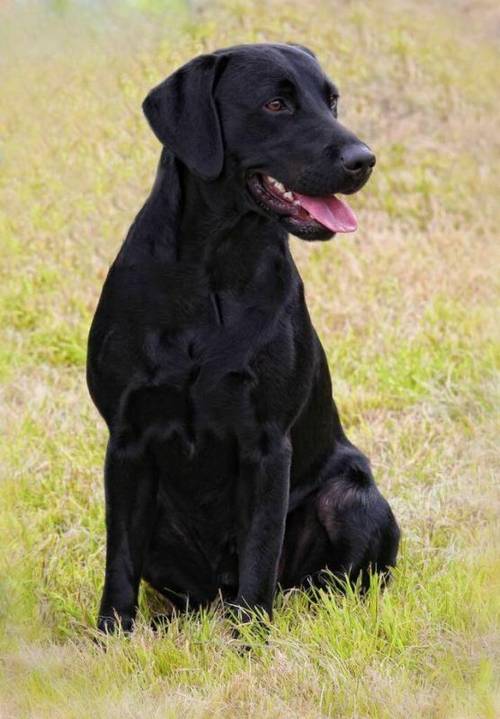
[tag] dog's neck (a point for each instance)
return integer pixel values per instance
(187, 220)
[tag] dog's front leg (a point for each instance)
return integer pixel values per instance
(131, 490)
(263, 491)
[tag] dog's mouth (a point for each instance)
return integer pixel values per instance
(304, 214)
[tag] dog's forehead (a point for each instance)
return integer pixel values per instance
(252, 66)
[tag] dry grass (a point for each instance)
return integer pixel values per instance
(405, 309)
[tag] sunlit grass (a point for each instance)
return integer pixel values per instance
(406, 311)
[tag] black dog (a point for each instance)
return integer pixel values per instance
(227, 470)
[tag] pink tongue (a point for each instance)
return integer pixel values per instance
(330, 212)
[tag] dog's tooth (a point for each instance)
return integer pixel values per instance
(280, 186)
(296, 202)
(288, 195)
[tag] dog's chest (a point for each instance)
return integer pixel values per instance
(215, 379)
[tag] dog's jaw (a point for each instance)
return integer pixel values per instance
(308, 217)
(280, 205)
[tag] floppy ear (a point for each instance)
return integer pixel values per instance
(182, 114)
(302, 47)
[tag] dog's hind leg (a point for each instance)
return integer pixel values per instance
(346, 527)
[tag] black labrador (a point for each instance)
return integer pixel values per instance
(227, 469)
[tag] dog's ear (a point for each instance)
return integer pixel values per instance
(182, 113)
(302, 47)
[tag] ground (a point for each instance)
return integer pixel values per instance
(405, 309)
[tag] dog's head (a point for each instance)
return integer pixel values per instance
(265, 116)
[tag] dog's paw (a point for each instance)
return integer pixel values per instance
(114, 623)
(160, 622)
(249, 627)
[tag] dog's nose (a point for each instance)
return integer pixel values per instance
(357, 159)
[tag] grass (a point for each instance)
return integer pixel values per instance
(406, 311)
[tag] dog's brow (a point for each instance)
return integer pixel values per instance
(286, 85)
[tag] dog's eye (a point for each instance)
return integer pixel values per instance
(333, 102)
(275, 105)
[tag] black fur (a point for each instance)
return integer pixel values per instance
(227, 469)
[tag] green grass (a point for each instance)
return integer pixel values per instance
(406, 311)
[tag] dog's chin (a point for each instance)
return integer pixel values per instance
(312, 231)
(289, 214)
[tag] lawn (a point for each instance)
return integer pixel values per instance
(405, 309)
